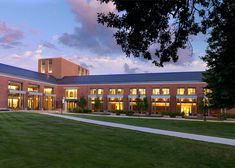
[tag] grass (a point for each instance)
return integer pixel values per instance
(35, 141)
(219, 129)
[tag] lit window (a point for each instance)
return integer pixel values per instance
(156, 91)
(93, 91)
(33, 88)
(100, 91)
(112, 91)
(48, 90)
(180, 91)
(133, 91)
(71, 93)
(14, 86)
(207, 91)
(142, 91)
(120, 91)
(50, 66)
(43, 66)
(165, 91)
(191, 91)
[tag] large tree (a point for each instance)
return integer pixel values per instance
(220, 57)
(157, 29)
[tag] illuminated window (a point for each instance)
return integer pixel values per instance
(48, 90)
(207, 91)
(191, 91)
(156, 91)
(100, 91)
(93, 91)
(133, 91)
(142, 91)
(33, 88)
(180, 91)
(120, 91)
(50, 66)
(14, 86)
(112, 91)
(71, 93)
(165, 91)
(43, 66)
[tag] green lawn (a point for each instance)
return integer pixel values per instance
(37, 141)
(222, 129)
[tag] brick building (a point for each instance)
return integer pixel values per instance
(60, 84)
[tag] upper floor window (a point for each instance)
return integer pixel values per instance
(156, 91)
(100, 91)
(133, 91)
(50, 66)
(191, 91)
(142, 91)
(71, 93)
(48, 90)
(93, 91)
(33, 88)
(112, 91)
(14, 85)
(120, 91)
(165, 91)
(43, 66)
(180, 91)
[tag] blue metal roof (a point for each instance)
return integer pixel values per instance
(105, 79)
(11, 70)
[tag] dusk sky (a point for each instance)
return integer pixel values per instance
(32, 29)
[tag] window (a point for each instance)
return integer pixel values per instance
(50, 66)
(43, 66)
(142, 91)
(33, 88)
(14, 86)
(100, 91)
(48, 90)
(165, 91)
(133, 91)
(120, 91)
(112, 91)
(71, 93)
(207, 91)
(93, 91)
(180, 91)
(156, 91)
(191, 91)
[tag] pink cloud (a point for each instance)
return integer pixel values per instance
(9, 37)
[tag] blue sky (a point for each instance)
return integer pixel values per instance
(32, 29)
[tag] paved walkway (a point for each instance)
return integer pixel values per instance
(204, 138)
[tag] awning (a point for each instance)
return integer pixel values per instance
(35, 93)
(115, 96)
(135, 96)
(17, 91)
(160, 96)
(94, 96)
(186, 96)
(50, 95)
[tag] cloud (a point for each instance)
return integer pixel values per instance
(9, 37)
(38, 52)
(129, 70)
(89, 35)
(48, 45)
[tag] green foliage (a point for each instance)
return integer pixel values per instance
(220, 56)
(98, 103)
(82, 102)
(163, 26)
(173, 114)
(79, 110)
(129, 112)
(224, 116)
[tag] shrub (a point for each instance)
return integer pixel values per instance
(224, 116)
(118, 112)
(172, 114)
(129, 113)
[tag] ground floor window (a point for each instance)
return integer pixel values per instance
(33, 102)
(115, 104)
(160, 105)
(187, 105)
(16, 101)
(96, 103)
(133, 104)
(71, 104)
(49, 103)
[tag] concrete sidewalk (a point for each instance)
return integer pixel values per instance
(225, 141)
